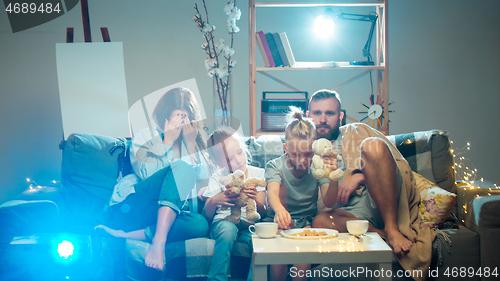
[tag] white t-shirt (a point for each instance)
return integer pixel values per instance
(214, 188)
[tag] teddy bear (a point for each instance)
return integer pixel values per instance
(323, 147)
(236, 183)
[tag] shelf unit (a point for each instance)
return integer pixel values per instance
(380, 58)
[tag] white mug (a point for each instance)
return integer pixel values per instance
(264, 229)
(357, 227)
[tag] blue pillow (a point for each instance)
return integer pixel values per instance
(90, 167)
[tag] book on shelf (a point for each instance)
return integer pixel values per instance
(274, 49)
(281, 50)
(288, 49)
(262, 51)
(266, 48)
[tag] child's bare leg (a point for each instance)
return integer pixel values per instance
(136, 234)
(155, 256)
(279, 272)
(303, 268)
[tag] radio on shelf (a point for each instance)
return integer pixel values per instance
(273, 116)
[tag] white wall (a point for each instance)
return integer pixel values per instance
(444, 71)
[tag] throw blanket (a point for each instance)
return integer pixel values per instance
(419, 257)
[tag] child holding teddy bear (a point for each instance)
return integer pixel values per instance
(292, 191)
(228, 152)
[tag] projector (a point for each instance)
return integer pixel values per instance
(48, 256)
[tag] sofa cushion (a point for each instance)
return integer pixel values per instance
(264, 148)
(471, 198)
(429, 154)
(23, 217)
(34, 210)
(489, 206)
(436, 203)
(90, 168)
(489, 231)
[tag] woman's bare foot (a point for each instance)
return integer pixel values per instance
(398, 242)
(104, 229)
(155, 257)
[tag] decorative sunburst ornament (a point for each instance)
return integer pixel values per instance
(375, 112)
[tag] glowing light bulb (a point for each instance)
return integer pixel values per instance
(323, 26)
(65, 249)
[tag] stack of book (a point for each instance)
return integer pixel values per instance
(275, 49)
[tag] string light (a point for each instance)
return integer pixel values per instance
(467, 173)
(463, 167)
(32, 184)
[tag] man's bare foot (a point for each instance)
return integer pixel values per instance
(398, 242)
(155, 257)
(104, 229)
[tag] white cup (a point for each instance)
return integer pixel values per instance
(357, 227)
(264, 229)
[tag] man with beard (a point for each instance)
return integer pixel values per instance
(371, 161)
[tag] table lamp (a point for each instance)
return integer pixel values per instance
(324, 25)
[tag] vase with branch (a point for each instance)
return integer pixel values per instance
(219, 63)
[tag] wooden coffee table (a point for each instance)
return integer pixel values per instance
(341, 249)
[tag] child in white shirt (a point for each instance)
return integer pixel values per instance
(229, 153)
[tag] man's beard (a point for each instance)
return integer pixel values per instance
(332, 133)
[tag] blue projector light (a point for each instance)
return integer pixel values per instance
(65, 249)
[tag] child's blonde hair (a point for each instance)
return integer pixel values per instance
(299, 127)
(219, 136)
